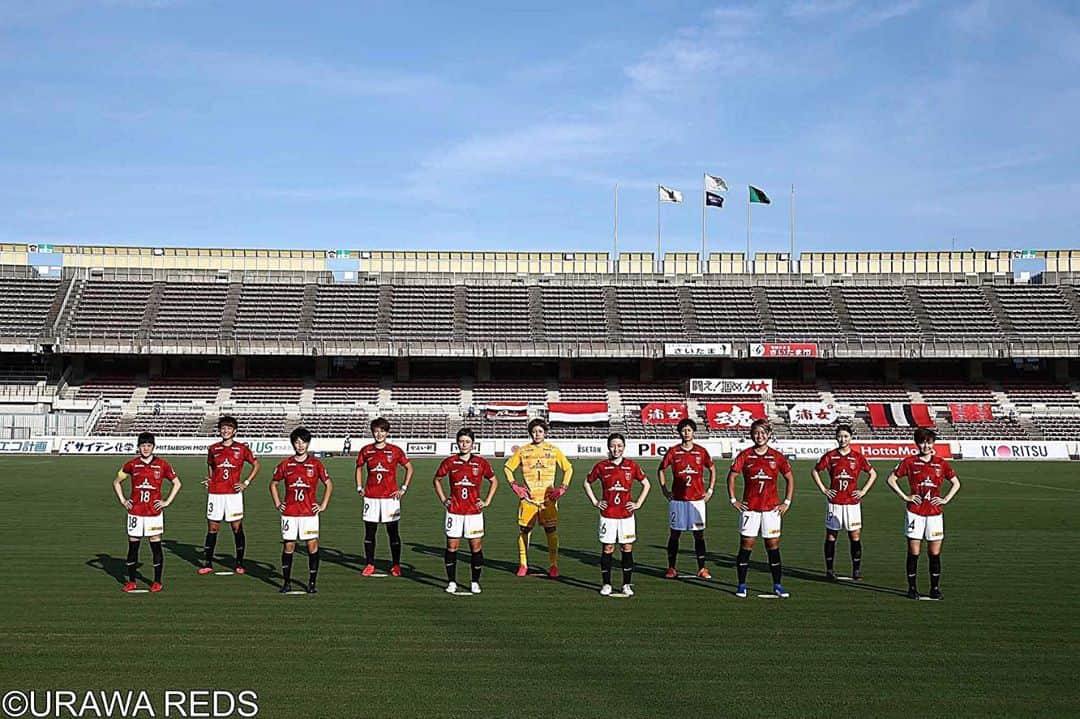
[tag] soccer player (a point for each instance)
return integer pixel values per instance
(687, 496)
(464, 507)
(382, 496)
(617, 507)
(225, 484)
(843, 509)
(300, 510)
(925, 473)
(539, 495)
(761, 509)
(144, 507)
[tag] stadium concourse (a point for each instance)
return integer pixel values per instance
(107, 341)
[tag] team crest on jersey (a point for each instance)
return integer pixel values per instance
(476, 471)
(310, 471)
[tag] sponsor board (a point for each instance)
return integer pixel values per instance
(656, 449)
(96, 445)
(179, 445)
(813, 449)
(1000, 450)
(37, 445)
(421, 448)
(784, 349)
(697, 349)
(700, 385)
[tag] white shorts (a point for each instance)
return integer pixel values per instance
(299, 529)
(617, 531)
(145, 526)
(225, 507)
(765, 524)
(686, 515)
(382, 510)
(843, 516)
(929, 528)
(468, 526)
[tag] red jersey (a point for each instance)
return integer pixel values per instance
(381, 466)
(924, 479)
(844, 471)
(689, 465)
(760, 473)
(146, 478)
(301, 482)
(616, 481)
(226, 463)
(466, 476)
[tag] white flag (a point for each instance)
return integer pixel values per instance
(715, 184)
(669, 195)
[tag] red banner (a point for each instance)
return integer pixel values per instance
(981, 412)
(663, 413)
(899, 414)
(733, 415)
(784, 349)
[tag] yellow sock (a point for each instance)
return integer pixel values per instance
(523, 546)
(553, 548)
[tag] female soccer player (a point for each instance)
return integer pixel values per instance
(382, 496)
(300, 510)
(617, 507)
(760, 509)
(144, 507)
(925, 472)
(843, 508)
(464, 507)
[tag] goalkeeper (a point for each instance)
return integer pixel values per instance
(539, 495)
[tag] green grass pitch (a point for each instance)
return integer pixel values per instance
(1004, 643)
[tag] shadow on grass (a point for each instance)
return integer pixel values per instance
(115, 567)
(193, 555)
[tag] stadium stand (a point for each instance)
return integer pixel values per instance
(421, 313)
(1001, 428)
(347, 391)
(110, 309)
(279, 390)
(583, 391)
(859, 392)
(525, 390)
(183, 389)
(945, 392)
(1040, 311)
(428, 392)
(576, 314)
(874, 313)
(337, 424)
(725, 313)
(958, 313)
(498, 313)
(269, 311)
(345, 312)
(24, 306)
(642, 393)
(648, 314)
(190, 310)
(1057, 427)
(173, 424)
(112, 388)
(1035, 392)
(803, 313)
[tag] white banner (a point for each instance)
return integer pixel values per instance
(1003, 450)
(731, 386)
(813, 413)
(36, 445)
(697, 349)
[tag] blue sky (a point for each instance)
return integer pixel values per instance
(403, 125)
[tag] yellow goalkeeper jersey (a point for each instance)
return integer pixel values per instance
(538, 463)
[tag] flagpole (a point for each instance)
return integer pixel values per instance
(704, 202)
(659, 257)
(748, 206)
(616, 250)
(791, 255)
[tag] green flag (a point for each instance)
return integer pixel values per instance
(757, 195)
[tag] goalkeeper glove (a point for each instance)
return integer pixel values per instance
(520, 491)
(555, 493)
